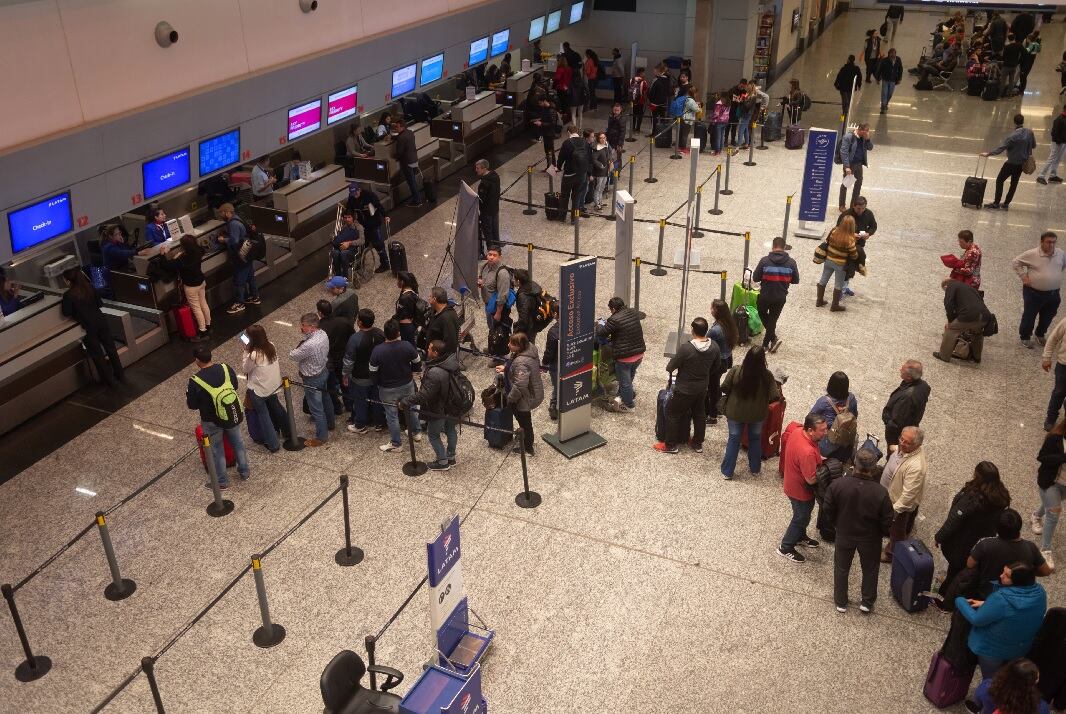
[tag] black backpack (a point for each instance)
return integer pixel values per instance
(546, 306)
(422, 311)
(254, 245)
(461, 395)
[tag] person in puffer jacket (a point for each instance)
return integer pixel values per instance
(626, 337)
(525, 389)
(693, 362)
(433, 394)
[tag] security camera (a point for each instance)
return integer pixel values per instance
(308, 5)
(165, 35)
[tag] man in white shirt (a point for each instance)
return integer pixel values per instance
(1040, 270)
(263, 179)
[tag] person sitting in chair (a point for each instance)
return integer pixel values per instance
(344, 245)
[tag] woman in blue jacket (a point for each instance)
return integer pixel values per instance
(1005, 624)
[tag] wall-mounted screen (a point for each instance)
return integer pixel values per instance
(220, 151)
(305, 119)
(479, 51)
(554, 17)
(165, 173)
(576, 11)
(341, 105)
(403, 80)
(432, 69)
(500, 41)
(40, 221)
(536, 28)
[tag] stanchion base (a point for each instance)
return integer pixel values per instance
(344, 560)
(578, 445)
(698, 234)
(761, 148)
(268, 637)
(658, 272)
(630, 139)
(611, 217)
(294, 445)
(675, 157)
(215, 512)
(749, 163)
(115, 593)
(25, 673)
(726, 192)
(651, 180)
(527, 500)
(529, 212)
(415, 468)
(716, 211)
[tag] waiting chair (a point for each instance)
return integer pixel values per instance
(942, 79)
(343, 692)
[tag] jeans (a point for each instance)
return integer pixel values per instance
(490, 231)
(244, 282)
(597, 190)
(342, 259)
(769, 312)
(1050, 509)
(319, 403)
(744, 129)
(218, 450)
(1014, 172)
(1053, 159)
(434, 428)
(1058, 394)
(714, 390)
(391, 395)
(408, 332)
(829, 268)
(525, 420)
(410, 173)
(869, 562)
(626, 372)
(719, 136)
(364, 413)
(1038, 306)
(856, 189)
(887, 90)
(797, 527)
(732, 447)
(278, 419)
(638, 117)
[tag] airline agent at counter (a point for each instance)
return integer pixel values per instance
(262, 179)
(113, 249)
(156, 231)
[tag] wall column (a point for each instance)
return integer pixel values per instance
(702, 32)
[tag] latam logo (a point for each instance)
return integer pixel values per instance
(169, 174)
(447, 540)
(823, 141)
(578, 385)
(464, 702)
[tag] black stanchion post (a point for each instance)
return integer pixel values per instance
(371, 643)
(348, 555)
(716, 211)
(577, 233)
(636, 287)
(725, 277)
(751, 153)
(629, 126)
(788, 210)
(726, 191)
(747, 248)
(529, 211)
(271, 633)
(529, 259)
(840, 135)
(414, 467)
(219, 506)
(658, 270)
(148, 665)
(651, 161)
(34, 666)
(614, 195)
(119, 588)
(675, 138)
(762, 136)
(526, 499)
(294, 442)
(632, 163)
(696, 232)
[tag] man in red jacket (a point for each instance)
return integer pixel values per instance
(800, 459)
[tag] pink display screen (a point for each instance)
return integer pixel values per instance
(342, 104)
(305, 119)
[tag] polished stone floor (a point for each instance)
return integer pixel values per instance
(644, 583)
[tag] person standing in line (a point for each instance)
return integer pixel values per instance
(356, 378)
(366, 206)
(894, 17)
(618, 75)
(906, 404)
(747, 392)
(854, 147)
(391, 365)
(600, 166)
(312, 358)
(659, 94)
(1049, 172)
(967, 268)
(233, 237)
(719, 122)
(592, 75)
(572, 57)
(263, 373)
(433, 395)
(997, 33)
(860, 511)
(871, 55)
(837, 399)
(550, 361)
(1040, 270)
(212, 391)
(527, 303)
(189, 266)
(693, 363)
(774, 273)
(907, 487)
(525, 388)
(1051, 482)
(443, 324)
(849, 80)
(83, 304)
(562, 80)
(406, 313)
(626, 336)
(890, 71)
(1015, 685)
(799, 463)
(1019, 145)
(573, 163)
(495, 283)
(544, 120)
(616, 135)
(688, 119)
(338, 330)
(724, 333)
(488, 193)
(638, 96)
(966, 313)
(1013, 54)
(407, 157)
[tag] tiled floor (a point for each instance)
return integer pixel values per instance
(644, 582)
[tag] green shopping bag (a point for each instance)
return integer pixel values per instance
(754, 321)
(744, 294)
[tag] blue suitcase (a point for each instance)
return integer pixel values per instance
(498, 419)
(660, 409)
(912, 574)
(256, 427)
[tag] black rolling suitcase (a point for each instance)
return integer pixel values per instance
(429, 189)
(664, 133)
(973, 191)
(660, 408)
(771, 129)
(397, 256)
(699, 131)
(551, 206)
(795, 137)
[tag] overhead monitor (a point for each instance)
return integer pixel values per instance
(432, 69)
(500, 42)
(305, 119)
(40, 221)
(220, 151)
(479, 51)
(341, 105)
(554, 17)
(403, 80)
(165, 173)
(536, 29)
(576, 11)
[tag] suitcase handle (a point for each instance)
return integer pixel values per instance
(978, 166)
(746, 278)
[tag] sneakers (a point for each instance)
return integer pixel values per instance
(712, 420)
(253, 301)
(417, 437)
(235, 308)
(1049, 425)
(1041, 180)
(849, 292)
(382, 269)
(842, 609)
(1028, 343)
(553, 413)
(438, 465)
(808, 542)
(1036, 523)
(221, 486)
(866, 607)
(664, 448)
(390, 447)
(1055, 179)
(698, 448)
(619, 407)
(357, 429)
(1049, 558)
(451, 461)
(792, 555)
(1041, 340)
(993, 206)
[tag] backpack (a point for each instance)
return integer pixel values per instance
(369, 134)
(225, 400)
(844, 428)
(546, 305)
(254, 245)
(635, 90)
(422, 311)
(991, 325)
(461, 396)
(677, 106)
(805, 102)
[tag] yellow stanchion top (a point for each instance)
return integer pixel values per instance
(256, 564)
(725, 275)
(100, 519)
(662, 223)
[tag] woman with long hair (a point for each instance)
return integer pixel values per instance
(1051, 480)
(973, 515)
(747, 392)
(193, 284)
(263, 371)
(592, 73)
(1013, 690)
(82, 303)
(407, 305)
(840, 247)
(525, 390)
(836, 400)
(724, 333)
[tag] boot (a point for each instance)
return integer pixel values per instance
(821, 297)
(837, 307)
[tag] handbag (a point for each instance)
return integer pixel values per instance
(884, 28)
(962, 347)
(821, 252)
(1030, 165)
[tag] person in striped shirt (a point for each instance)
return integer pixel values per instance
(775, 273)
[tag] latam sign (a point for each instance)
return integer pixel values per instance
(342, 104)
(40, 221)
(305, 119)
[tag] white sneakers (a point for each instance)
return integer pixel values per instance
(1049, 558)
(1036, 523)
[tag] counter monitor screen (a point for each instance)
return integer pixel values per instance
(432, 69)
(500, 41)
(403, 80)
(165, 173)
(554, 17)
(341, 105)
(576, 10)
(40, 221)
(220, 151)
(479, 51)
(305, 119)
(536, 29)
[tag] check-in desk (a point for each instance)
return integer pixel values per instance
(301, 220)
(466, 131)
(383, 170)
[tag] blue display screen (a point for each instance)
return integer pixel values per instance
(39, 222)
(432, 69)
(536, 29)
(220, 151)
(403, 80)
(576, 11)
(499, 43)
(479, 51)
(167, 172)
(554, 17)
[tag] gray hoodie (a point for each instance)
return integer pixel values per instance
(523, 374)
(694, 362)
(1019, 145)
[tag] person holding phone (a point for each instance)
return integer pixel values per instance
(865, 227)
(263, 371)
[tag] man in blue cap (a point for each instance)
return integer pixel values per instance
(346, 306)
(366, 207)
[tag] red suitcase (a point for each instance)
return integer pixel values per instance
(771, 430)
(184, 322)
(231, 458)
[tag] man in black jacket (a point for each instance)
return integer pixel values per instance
(407, 157)
(1012, 61)
(366, 207)
(574, 164)
(527, 302)
(861, 511)
(659, 94)
(906, 404)
(356, 379)
(775, 273)
(890, 73)
(1058, 147)
(626, 337)
(966, 312)
(488, 192)
(693, 363)
(433, 395)
(894, 18)
(549, 359)
(338, 330)
(443, 325)
(849, 79)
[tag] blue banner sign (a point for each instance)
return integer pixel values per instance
(817, 174)
(443, 552)
(577, 331)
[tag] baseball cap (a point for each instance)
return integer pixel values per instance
(337, 281)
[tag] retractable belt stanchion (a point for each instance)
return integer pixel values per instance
(349, 554)
(632, 163)
(675, 138)
(651, 161)
(636, 287)
(414, 467)
(148, 666)
(119, 588)
(840, 135)
(271, 633)
(577, 232)
(726, 191)
(725, 277)
(614, 194)
(529, 210)
(751, 151)
(658, 270)
(371, 643)
(529, 259)
(219, 506)
(696, 232)
(716, 211)
(762, 136)
(788, 210)
(294, 442)
(526, 499)
(34, 666)
(629, 126)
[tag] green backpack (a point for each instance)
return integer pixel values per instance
(225, 399)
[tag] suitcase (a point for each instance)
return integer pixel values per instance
(944, 683)
(991, 91)
(498, 419)
(397, 256)
(973, 191)
(872, 444)
(771, 130)
(660, 408)
(699, 131)
(975, 86)
(551, 206)
(771, 430)
(795, 136)
(231, 458)
(912, 574)
(743, 292)
(665, 139)
(429, 189)
(184, 321)
(740, 316)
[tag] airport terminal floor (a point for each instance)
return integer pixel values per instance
(644, 582)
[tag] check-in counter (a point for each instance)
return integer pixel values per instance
(301, 219)
(383, 170)
(466, 131)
